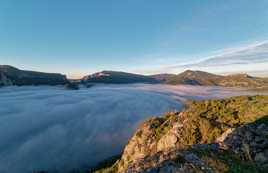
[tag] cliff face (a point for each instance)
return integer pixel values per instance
(209, 136)
(12, 76)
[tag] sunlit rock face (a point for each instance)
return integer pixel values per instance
(50, 128)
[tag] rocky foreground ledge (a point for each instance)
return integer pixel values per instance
(229, 135)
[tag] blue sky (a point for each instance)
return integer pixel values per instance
(143, 36)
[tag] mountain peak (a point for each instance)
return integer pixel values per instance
(195, 72)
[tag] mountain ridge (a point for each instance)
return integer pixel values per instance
(10, 75)
(209, 79)
(13, 76)
(117, 77)
(187, 77)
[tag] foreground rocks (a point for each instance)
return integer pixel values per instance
(250, 142)
(209, 136)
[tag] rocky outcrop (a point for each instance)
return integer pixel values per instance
(12, 76)
(250, 142)
(209, 136)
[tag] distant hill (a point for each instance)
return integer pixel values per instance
(13, 76)
(187, 77)
(115, 77)
(195, 78)
(163, 77)
(204, 78)
(243, 80)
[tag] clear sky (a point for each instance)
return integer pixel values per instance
(77, 37)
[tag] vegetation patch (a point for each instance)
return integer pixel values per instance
(107, 166)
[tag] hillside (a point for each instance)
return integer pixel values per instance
(12, 76)
(195, 78)
(243, 80)
(203, 78)
(164, 77)
(114, 77)
(227, 135)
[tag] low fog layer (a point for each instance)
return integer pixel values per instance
(47, 128)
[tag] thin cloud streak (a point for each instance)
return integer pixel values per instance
(252, 59)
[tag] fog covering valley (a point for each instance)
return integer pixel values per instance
(49, 128)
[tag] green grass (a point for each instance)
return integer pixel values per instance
(107, 166)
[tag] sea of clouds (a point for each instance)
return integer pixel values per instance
(49, 128)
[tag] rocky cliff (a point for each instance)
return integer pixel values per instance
(227, 135)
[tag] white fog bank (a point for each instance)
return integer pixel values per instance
(48, 128)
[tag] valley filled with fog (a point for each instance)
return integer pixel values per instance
(47, 128)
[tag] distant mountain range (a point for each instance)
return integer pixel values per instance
(188, 77)
(204, 78)
(115, 77)
(12, 76)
